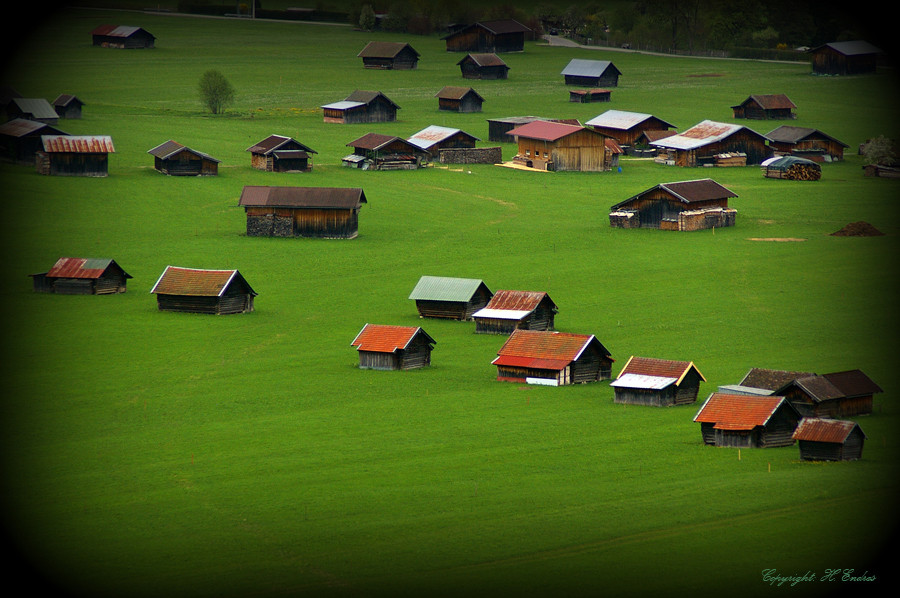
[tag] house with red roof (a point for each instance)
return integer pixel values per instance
(74, 155)
(552, 358)
(383, 347)
(657, 382)
(550, 145)
(822, 439)
(510, 310)
(745, 421)
(199, 291)
(82, 276)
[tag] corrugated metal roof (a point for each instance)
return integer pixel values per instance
(302, 197)
(80, 144)
(501, 314)
(824, 430)
(527, 301)
(384, 49)
(20, 127)
(196, 282)
(546, 130)
(738, 412)
(37, 107)
(380, 338)
(343, 105)
(544, 349)
(77, 267)
(484, 60)
(580, 67)
(643, 381)
(701, 134)
(434, 134)
(621, 119)
(440, 288)
(665, 368)
(453, 92)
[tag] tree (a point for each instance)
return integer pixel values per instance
(880, 151)
(367, 17)
(216, 92)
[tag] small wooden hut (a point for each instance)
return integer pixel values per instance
(589, 96)
(552, 358)
(277, 153)
(805, 142)
(361, 106)
(763, 381)
(82, 276)
(20, 139)
(546, 145)
(516, 310)
(682, 206)
(765, 107)
(709, 143)
(68, 106)
(502, 35)
(591, 73)
(791, 168)
(74, 155)
(844, 58)
(322, 212)
(122, 36)
(483, 66)
(626, 127)
(174, 159)
(434, 138)
(836, 395)
(389, 56)
(37, 109)
(393, 347)
(657, 382)
(203, 291)
(823, 439)
(459, 99)
(374, 151)
(450, 298)
(742, 421)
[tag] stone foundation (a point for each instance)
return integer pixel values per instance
(471, 155)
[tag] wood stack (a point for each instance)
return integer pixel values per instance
(803, 172)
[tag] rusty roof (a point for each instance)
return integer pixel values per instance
(701, 134)
(484, 60)
(78, 144)
(544, 349)
(518, 300)
(738, 412)
(661, 368)
(777, 101)
(197, 283)
(384, 49)
(276, 142)
(434, 134)
(20, 127)
(546, 130)
(825, 430)
(78, 267)
(453, 92)
(341, 198)
(380, 338)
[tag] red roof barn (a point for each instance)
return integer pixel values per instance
(552, 358)
(829, 439)
(393, 347)
(657, 382)
(82, 276)
(511, 310)
(746, 421)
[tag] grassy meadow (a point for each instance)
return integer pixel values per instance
(149, 453)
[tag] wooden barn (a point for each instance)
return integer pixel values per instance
(393, 347)
(591, 73)
(516, 310)
(763, 381)
(450, 298)
(823, 439)
(203, 291)
(277, 153)
(459, 99)
(82, 276)
(589, 96)
(742, 421)
(503, 35)
(68, 106)
(844, 58)
(389, 56)
(805, 142)
(499, 127)
(122, 36)
(483, 66)
(174, 159)
(20, 139)
(374, 151)
(37, 109)
(74, 155)
(766, 107)
(434, 138)
(791, 168)
(835, 395)
(361, 106)
(547, 145)
(627, 127)
(705, 142)
(683, 206)
(323, 212)
(657, 382)
(552, 358)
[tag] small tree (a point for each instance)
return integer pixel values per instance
(216, 92)
(880, 151)
(367, 18)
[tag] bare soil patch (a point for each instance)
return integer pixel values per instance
(858, 229)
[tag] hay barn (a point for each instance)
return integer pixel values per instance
(321, 212)
(192, 290)
(361, 106)
(588, 96)
(502, 35)
(805, 142)
(705, 143)
(68, 106)
(277, 153)
(657, 382)
(742, 421)
(434, 138)
(836, 395)
(591, 73)
(822, 439)
(74, 155)
(389, 56)
(174, 159)
(393, 347)
(765, 107)
(450, 298)
(20, 139)
(82, 276)
(546, 145)
(122, 36)
(37, 109)
(763, 381)
(459, 99)
(499, 127)
(682, 206)
(844, 58)
(374, 151)
(483, 66)
(552, 358)
(627, 127)
(516, 310)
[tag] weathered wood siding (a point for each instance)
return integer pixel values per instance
(468, 103)
(640, 396)
(810, 147)
(229, 304)
(583, 151)
(470, 70)
(850, 450)
(186, 164)
(302, 222)
(63, 164)
(454, 310)
(609, 78)
(741, 141)
(416, 355)
(827, 61)
(480, 40)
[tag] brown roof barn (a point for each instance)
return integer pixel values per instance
(552, 358)
(805, 142)
(510, 310)
(389, 55)
(844, 58)
(835, 395)
(175, 159)
(361, 106)
(823, 439)
(20, 139)
(743, 421)
(682, 206)
(503, 35)
(771, 106)
(657, 382)
(459, 99)
(383, 347)
(194, 290)
(374, 151)
(711, 143)
(323, 212)
(277, 153)
(122, 36)
(68, 106)
(483, 66)
(82, 276)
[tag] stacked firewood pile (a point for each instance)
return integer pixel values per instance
(803, 172)
(791, 168)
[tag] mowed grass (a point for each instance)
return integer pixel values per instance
(149, 453)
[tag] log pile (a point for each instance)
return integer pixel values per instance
(803, 172)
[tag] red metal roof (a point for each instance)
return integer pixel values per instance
(546, 130)
(379, 338)
(78, 144)
(517, 300)
(77, 267)
(824, 430)
(543, 349)
(661, 368)
(196, 282)
(737, 412)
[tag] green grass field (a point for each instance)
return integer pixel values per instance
(149, 453)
